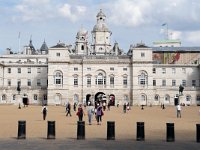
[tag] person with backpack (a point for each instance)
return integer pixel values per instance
(99, 114)
(44, 112)
(80, 113)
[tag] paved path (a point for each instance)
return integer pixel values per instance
(155, 120)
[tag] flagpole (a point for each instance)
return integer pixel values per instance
(19, 42)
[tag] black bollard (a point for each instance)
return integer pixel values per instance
(51, 130)
(140, 131)
(80, 130)
(21, 129)
(170, 132)
(198, 132)
(110, 130)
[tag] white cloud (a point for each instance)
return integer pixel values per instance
(71, 12)
(193, 37)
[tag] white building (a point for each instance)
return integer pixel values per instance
(143, 76)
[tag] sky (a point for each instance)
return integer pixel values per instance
(130, 21)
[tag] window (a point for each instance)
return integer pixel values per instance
(183, 70)
(198, 98)
(75, 69)
(100, 79)
(173, 82)
(188, 98)
(142, 78)
(88, 69)
(75, 81)
(58, 54)
(164, 70)
(194, 83)
(9, 82)
(18, 82)
(154, 82)
(38, 70)
(112, 81)
(29, 70)
(3, 97)
(173, 70)
(88, 81)
(14, 97)
(111, 68)
(125, 82)
(163, 82)
(183, 82)
(19, 70)
(154, 70)
(29, 82)
(9, 70)
(38, 82)
(156, 98)
(58, 78)
(124, 69)
(82, 47)
(35, 97)
(142, 54)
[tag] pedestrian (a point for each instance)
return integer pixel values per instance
(80, 113)
(90, 112)
(104, 106)
(44, 112)
(68, 109)
(124, 107)
(128, 107)
(99, 114)
(75, 106)
(178, 109)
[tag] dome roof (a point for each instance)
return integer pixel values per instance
(100, 27)
(82, 32)
(44, 47)
(101, 14)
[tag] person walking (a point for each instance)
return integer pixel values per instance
(68, 109)
(44, 112)
(80, 113)
(178, 109)
(99, 114)
(90, 112)
(75, 106)
(124, 107)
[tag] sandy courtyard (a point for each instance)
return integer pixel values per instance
(154, 119)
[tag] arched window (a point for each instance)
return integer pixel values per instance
(82, 47)
(167, 98)
(100, 79)
(143, 78)
(3, 97)
(58, 78)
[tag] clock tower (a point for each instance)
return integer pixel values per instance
(101, 36)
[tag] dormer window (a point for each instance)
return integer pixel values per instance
(142, 54)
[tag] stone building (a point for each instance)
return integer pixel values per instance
(83, 72)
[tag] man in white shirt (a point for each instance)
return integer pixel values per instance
(178, 108)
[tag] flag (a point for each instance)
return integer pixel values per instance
(164, 24)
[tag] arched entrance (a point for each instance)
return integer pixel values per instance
(98, 97)
(112, 100)
(88, 98)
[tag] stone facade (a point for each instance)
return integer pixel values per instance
(90, 72)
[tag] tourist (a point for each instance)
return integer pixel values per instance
(178, 109)
(104, 106)
(124, 107)
(44, 112)
(90, 112)
(80, 113)
(75, 106)
(99, 114)
(68, 109)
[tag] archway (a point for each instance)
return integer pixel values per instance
(112, 100)
(88, 98)
(98, 97)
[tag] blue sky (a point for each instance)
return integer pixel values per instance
(131, 21)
